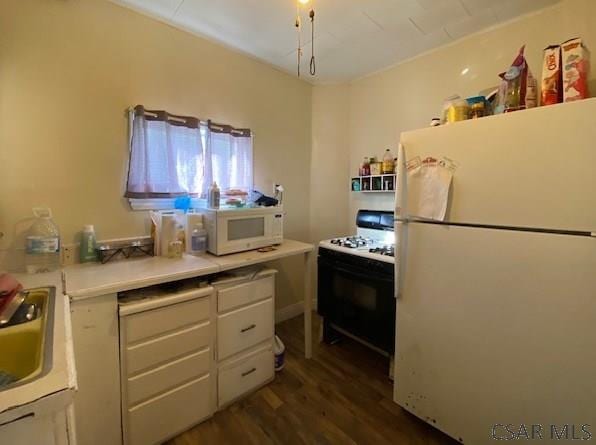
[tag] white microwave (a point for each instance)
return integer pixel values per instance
(236, 230)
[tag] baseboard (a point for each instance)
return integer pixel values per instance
(291, 311)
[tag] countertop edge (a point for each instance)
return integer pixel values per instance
(214, 265)
(82, 294)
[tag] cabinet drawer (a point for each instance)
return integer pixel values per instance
(164, 349)
(244, 375)
(244, 328)
(159, 321)
(159, 419)
(144, 386)
(245, 293)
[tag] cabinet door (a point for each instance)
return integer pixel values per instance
(244, 375)
(96, 348)
(243, 328)
(232, 297)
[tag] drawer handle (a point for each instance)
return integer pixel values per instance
(250, 371)
(252, 326)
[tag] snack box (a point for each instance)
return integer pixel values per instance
(552, 91)
(575, 63)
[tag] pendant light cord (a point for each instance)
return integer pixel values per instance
(298, 26)
(313, 66)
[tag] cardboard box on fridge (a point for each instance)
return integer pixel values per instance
(552, 91)
(575, 63)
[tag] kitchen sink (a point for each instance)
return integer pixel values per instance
(26, 344)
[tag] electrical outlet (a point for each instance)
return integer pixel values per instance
(68, 255)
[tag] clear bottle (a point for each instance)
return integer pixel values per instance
(214, 195)
(198, 240)
(88, 244)
(365, 167)
(42, 243)
(388, 165)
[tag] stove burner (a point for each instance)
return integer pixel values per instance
(352, 242)
(384, 250)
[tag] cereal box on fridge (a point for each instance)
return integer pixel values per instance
(575, 70)
(552, 93)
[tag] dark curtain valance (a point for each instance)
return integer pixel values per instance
(189, 121)
(236, 132)
(164, 116)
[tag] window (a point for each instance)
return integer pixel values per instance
(177, 156)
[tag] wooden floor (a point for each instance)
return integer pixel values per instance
(341, 396)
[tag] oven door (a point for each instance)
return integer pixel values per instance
(359, 300)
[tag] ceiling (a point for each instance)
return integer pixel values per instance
(352, 37)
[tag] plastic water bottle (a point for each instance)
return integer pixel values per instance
(198, 239)
(42, 244)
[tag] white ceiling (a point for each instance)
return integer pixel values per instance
(352, 37)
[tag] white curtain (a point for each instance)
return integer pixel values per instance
(230, 158)
(174, 155)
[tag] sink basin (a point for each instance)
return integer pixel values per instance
(26, 348)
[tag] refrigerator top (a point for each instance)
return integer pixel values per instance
(532, 168)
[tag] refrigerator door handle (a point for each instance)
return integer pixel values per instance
(419, 220)
(401, 224)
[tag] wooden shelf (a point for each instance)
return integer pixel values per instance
(373, 184)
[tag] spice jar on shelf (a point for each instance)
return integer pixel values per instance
(365, 167)
(375, 166)
(388, 165)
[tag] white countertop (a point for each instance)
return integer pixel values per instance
(286, 249)
(53, 391)
(93, 279)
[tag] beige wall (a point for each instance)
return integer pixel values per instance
(69, 69)
(330, 162)
(408, 95)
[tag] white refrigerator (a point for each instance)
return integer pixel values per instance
(496, 305)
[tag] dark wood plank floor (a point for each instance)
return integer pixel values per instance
(341, 396)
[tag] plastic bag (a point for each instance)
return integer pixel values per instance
(519, 88)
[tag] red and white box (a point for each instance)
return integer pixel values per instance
(575, 63)
(551, 76)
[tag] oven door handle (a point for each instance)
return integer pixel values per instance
(340, 267)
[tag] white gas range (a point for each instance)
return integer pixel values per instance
(356, 283)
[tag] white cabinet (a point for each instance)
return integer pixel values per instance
(38, 428)
(170, 413)
(97, 363)
(234, 294)
(243, 328)
(244, 374)
(166, 349)
(245, 333)
(170, 359)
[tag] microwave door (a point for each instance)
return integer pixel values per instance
(240, 233)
